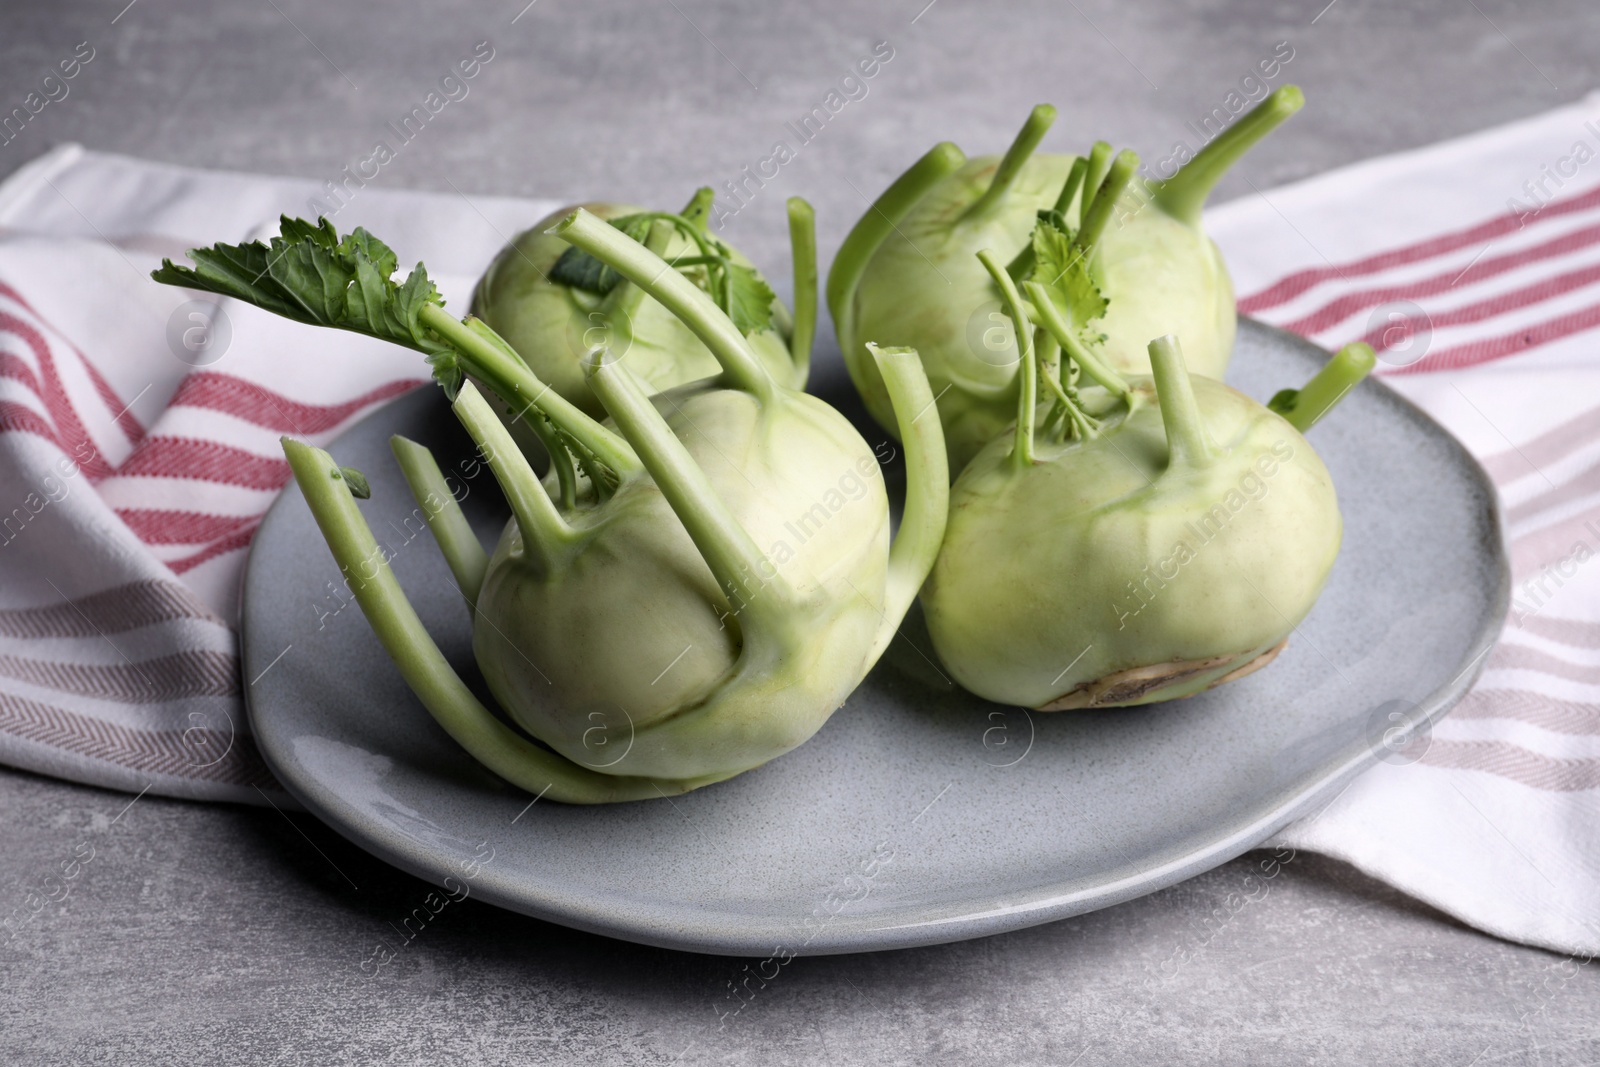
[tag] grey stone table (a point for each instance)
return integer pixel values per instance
(210, 934)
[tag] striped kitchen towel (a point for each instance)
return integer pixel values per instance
(139, 450)
(1473, 267)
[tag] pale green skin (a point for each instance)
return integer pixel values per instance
(1036, 562)
(924, 284)
(552, 326)
(596, 637)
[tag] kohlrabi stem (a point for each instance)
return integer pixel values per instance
(1027, 372)
(424, 668)
(1094, 174)
(916, 543)
(1188, 444)
(873, 228)
(530, 416)
(1054, 374)
(625, 298)
(460, 546)
(698, 209)
(1183, 196)
(675, 292)
(1022, 266)
(1075, 421)
(1303, 407)
(1048, 356)
(803, 250)
(728, 549)
(1056, 325)
(544, 532)
(1098, 214)
(1047, 352)
(1069, 188)
(518, 386)
(1005, 175)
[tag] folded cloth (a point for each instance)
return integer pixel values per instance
(139, 432)
(139, 450)
(1474, 268)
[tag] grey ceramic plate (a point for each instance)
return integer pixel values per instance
(919, 813)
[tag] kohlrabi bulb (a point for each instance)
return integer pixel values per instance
(907, 274)
(731, 590)
(1154, 537)
(554, 304)
(695, 586)
(620, 645)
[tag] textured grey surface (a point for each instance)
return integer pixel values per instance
(211, 934)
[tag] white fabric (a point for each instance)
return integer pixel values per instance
(127, 504)
(1498, 823)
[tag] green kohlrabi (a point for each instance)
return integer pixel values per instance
(695, 586)
(554, 303)
(1131, 251)
(1132, 539)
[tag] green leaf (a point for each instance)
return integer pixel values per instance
(1283, 401)
(749, 300)
(1063, 270)
(356, 481)
(239, 271)
(382, 255)
(311, 276)
(308, 274)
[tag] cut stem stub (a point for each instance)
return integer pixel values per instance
(1188, 444)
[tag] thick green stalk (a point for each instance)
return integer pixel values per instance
(1188, 444)
(518, 386)
(873, 228)
(1039, 122)
(698, 209)
(544, 532)
(1055, 323)
(1071, 187)
(1303, 407)
(803, 249)
(530, 416)
(675, 292)
(1022, 266)
(1095, 174)
(724, 543)
(424, 668)
(460, 546)
(1183, 196)
(1027, 372)
(1098, 215)
(1047, 353)
(626, 298)
(916, 543)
